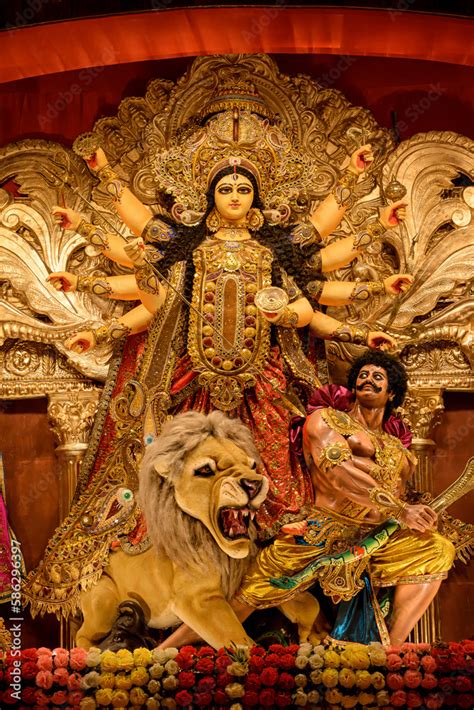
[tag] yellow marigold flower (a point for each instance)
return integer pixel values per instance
(152, 704)
(138, 696)
(378, 681)
(347, 678)
(355, 657)
(159, 655)
(349, 701)
(125, 659)
(305, 649)
(366, 698)
(383, 698)
(301, 680)
(377, 656)
(330, 677)
(157, 670)
(87, 704)
(109, 661)
(93, 657)
(142, 657)
(103, 696)
(314, 697)
(170, 683)
(363, 679)
(154, 686)
(300, 662)
(235, 690)
(123, 681)
(236, 706)
(107, 680)
(171, 667)
(333, 696)
(332, 659)
(316, 661)
(120, 699)
(168, 703)
(300, 699)
(316, 676)
(140, 676)
(171, 652)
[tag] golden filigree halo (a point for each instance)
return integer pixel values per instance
(234, 137)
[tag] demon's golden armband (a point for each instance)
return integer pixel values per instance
(388, 504)
(333, 455)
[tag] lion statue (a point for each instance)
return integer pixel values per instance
(199, 491)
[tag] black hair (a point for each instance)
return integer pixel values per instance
(396, 374)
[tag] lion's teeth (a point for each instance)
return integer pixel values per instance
(252, 514)
(231, 533)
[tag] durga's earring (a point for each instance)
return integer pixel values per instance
(213, 221)
(254, 219)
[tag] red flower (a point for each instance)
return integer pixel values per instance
(29, 670)
(429, 664)
(61, 676)
(221, 698)
(287, 661)
(286, 681)
(205, 665)
(457, 662)
(271, 660)
(277, 648)
(412, 678)
(293, 648)
(187, 650)
(29, 654)
(221, 663)
(429, 681)
(184, 660)
(252, 682)
(42, 699)
(256, 663)
(250, 698)
(59, 697)
(202, 700)
(206, 684)
(434, 701)
(257, 651)
(74, 681)
(466, 700)
(224, 679)
(183, 698)
(414, 699)
(395, 681)
(450, 700)
(8, 698)
(394, 662)
(28, 695)
(206, 651)
(267, 697)
(399, 699)
(468, 646)
(411, 660)
(269, 676)
(462, 684)
(282, 700)
(446, 684)
(186, 679)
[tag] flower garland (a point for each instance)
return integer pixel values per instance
(351, 676)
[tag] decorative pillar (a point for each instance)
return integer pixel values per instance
(70, 416)
(423, 408)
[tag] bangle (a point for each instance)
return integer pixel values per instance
(356, 334)
(157, 231)
(95, 235)
(315, 262)
(364, 290)
(305, 235)
(147, 280)
(373, 231)
(343, 190)
(287, 319)
(387, 503)
(93, 284)
(333, 455)
(110, 332)
(314, 289)
(111, 182)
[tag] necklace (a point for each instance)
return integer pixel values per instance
(232, 234)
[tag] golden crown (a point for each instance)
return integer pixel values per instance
(234, 137)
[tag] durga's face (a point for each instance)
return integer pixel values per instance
(233, 197)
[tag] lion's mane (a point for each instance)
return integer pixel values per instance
(182, 538)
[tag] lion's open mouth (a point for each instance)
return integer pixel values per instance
(234, 522)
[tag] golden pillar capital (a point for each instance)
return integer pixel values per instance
(423, 408)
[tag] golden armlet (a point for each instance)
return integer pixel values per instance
(333, 455)
(157, 231)
(314, 289)
(386, 503)
(366, 289)
(373, 231)
(287, 319)
(111, 182)
(306, 235)
(95, 235)
(97, 285)
(147, 280)
(315, 262)
(343, 190)
(110, 332)
(356, 334)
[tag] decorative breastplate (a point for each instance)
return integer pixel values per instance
(389, 452)
(230, 343)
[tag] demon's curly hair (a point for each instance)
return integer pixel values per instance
(396, 373)
(286, 255)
